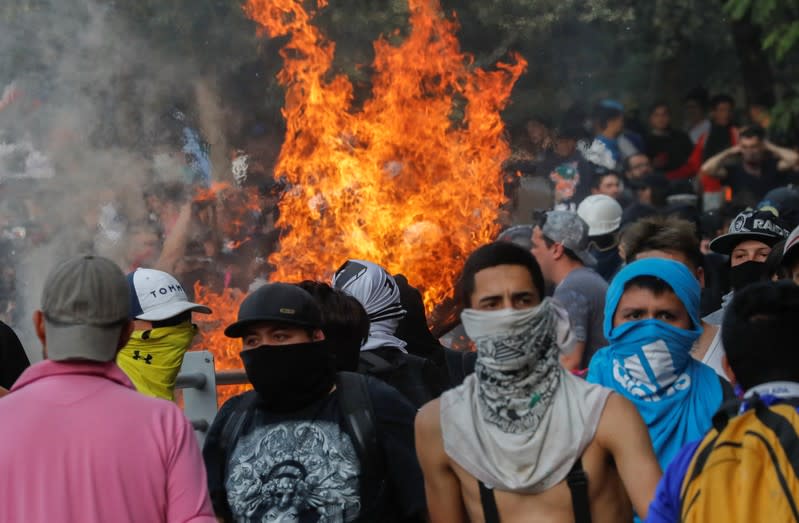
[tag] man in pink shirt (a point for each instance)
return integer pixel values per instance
(78, 442)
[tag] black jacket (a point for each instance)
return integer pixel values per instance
(13, 360)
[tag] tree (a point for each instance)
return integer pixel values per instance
(779, 20)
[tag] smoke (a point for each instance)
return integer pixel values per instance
(92, 111)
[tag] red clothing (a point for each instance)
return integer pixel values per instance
(80, 444)
(691, 167)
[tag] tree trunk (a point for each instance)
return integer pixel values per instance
(756, 72)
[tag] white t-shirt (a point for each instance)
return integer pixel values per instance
(714, 354)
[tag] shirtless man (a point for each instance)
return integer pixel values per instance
(521, 424)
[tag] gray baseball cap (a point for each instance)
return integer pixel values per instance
(85, 302)
(568, 229)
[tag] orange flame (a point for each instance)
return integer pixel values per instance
(226, 351)
(413, 180)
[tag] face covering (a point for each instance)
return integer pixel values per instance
(520, 421)
(377, 291)
(152, 358)
(649, 362)
(747, 273)
(518, 361)
(290, 377)
(654, 353)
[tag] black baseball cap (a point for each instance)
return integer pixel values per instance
(279, 303)
(763, 226)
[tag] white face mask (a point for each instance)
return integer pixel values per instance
(518, 361)
(480, 324)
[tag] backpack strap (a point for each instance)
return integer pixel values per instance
(360, 423)
(727, 391)
(234, 424)
(728, 410)
(489, 503)
(783, 429)
(375, 364)
(577, 480)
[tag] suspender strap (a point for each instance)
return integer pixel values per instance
(490, 512)
(577, 480)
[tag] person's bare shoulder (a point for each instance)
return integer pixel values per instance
(618, 417)
(428, 420)
(429, 437)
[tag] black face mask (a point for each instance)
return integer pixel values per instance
(290, 377)
(747, 273)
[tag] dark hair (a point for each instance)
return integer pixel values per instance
(764, 100)
(491, 255)
(650, 283)
(658, 233)
(604, 114)
(754, 131)
(759, 333)
(413, 328)
(774, 265)
(721, 99)
(174, 320)
(600, 175)
(626, 162)
(698, 95)
(657, 105)
(344, 322)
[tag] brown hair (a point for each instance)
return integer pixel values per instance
(658, 233)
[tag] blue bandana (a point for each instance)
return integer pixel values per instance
(649, 362)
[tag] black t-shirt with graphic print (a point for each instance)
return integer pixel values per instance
(304, 467)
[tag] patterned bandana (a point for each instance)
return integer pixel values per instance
(521, 421)
(377, 291)
(517, 362)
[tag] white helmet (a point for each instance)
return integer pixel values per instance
(602, 214)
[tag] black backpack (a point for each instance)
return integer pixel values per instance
(360, 423)
(418, 379)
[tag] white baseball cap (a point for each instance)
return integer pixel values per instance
(602, 214)
(156, 296)
(792, 242)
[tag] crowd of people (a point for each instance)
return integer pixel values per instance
(631, 353)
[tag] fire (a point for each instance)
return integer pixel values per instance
(413, 179)
(225, 307)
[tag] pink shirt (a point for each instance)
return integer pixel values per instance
(78, 443)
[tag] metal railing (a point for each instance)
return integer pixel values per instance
(198, 380)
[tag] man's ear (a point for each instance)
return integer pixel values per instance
(700, 275)
(557, 251)
(38, 326)
(725, 364)
(318, 335)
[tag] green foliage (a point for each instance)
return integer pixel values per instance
(780, 21)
